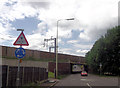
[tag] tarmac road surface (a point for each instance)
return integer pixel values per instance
(90, 81)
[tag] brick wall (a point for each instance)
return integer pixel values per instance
(29, 54)
(63, 68)
(4, 52)
(45, 55)
(10, 52)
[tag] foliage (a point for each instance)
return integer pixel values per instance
(106, 51)
(51, 75)
(62, 76)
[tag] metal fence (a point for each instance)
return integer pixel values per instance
(27, 75)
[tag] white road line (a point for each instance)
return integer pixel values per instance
(89, 85)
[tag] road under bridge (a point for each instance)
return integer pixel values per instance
(78, 67)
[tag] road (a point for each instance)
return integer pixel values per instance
(90, 81)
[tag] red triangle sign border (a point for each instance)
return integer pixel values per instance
(24, 38)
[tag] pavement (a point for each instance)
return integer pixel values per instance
(50, 83)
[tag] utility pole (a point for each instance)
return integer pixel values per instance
(55, 48)
(50, 47)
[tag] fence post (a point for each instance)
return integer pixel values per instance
(7, 75)
(55, 73)
(23, 77)
(39, 73)
(33, 75)
(44, 73)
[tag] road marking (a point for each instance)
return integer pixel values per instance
(89, 85)
(83, 79)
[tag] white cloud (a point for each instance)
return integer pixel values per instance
(98, 17)
(65, 51)
(72, 41)
(82, 51)
(73, 52)
(35, 41)
(16, 11)
(83, 46)
(41, 28)
(96, 30)
(93, 17)
(4, 33)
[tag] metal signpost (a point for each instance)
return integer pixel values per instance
(100, 68)
(20, 52)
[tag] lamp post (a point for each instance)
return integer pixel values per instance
(57, 45)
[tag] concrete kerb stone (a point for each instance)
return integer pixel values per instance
(42, 81)
(56, 81)
(49, 82)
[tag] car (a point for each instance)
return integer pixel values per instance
(84, 73)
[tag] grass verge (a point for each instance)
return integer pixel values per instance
(51, 75)
(62, 76)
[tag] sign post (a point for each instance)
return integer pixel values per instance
(20, 52)
(100, 68)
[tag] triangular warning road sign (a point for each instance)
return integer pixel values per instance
(21, 40)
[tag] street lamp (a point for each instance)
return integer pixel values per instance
(70, 19)
(57, 45)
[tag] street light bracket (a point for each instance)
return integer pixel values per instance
(70, 19)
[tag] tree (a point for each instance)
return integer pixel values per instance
(106, 50)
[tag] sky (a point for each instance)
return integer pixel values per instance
(39, 19)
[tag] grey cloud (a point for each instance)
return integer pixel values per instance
(37, 5)
(98, 29)
(102, 29)
(119, 13)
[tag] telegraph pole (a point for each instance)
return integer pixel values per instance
(55, 48)
(46, 40)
